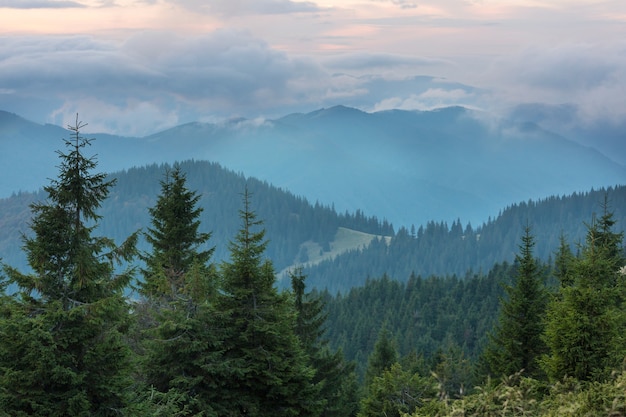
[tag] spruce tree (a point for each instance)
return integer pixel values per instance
(517, 344)
(269, 370)
(175, 239)
(182, 348)
(396, 393)
(586, 322)
(562, 263)
(61, 350)
(382, 358)
(335, 378)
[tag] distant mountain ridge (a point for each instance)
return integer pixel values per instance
(338, 251)
(408, 167)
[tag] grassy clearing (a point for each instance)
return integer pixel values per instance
(345, 240)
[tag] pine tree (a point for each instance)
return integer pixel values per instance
(61, 350)
(586, 322)
(335, 377)
(182, 362)
(269, 370)
(517, 343)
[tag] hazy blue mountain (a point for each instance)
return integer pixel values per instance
(407, 167)
(607, 134)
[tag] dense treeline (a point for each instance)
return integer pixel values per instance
(206, 338)
(425, 315)
(439, 249)
(553, 345)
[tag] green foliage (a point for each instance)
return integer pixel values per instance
(563, 261)
(427, 316)
(516, 395)
(62, 351)
(174, 239)
(396, 392)
(182, 363)
(269, 370)
(586, 321)
(443, 249)
(516, 343)
(382, 358)
(335, 378)
(452, 370)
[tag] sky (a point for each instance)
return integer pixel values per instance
(135, 67)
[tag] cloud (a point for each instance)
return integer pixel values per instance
(39, 4)
(368, 62)
(591, 76)
(131, 118)
(433, 98)
(247, 7)
(224, 73)
(403, 4)
(153, 80)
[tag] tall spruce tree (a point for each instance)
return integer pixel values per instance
(270, 374)
(586, 322)
(182, 348)
(516, 343)
(335, 377)
(177, 243)
(61, 349)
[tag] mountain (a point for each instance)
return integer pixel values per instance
(407, 167)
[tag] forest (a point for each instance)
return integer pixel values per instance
(158, 326)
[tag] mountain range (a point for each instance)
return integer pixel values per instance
(407, 167)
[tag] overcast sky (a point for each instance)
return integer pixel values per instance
(134, 67)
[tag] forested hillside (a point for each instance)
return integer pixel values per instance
(293, 224)
(427, 317)
(290, 220)
(436, 248)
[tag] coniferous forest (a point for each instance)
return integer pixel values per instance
(101, 327)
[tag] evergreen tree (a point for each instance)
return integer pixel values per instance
(61, 350)
(517, 343)
(175, 239)
(182, 359)
(586, 322)
(382, 358)
(269, 370)
(562, 263)
(396, 392)
(335, 378)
